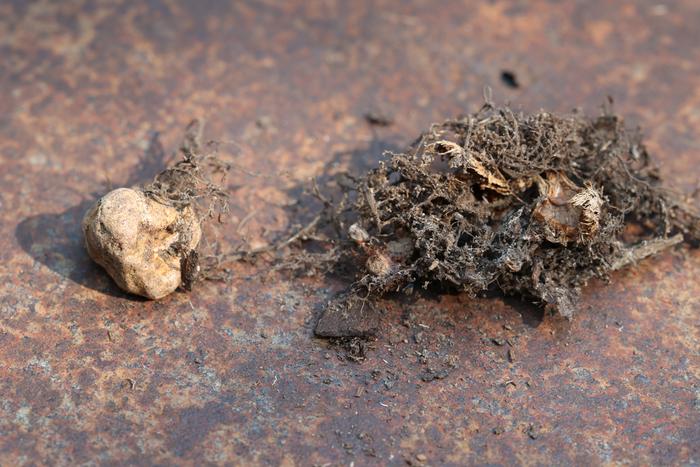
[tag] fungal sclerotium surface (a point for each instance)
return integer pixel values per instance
(146, 238)
(140, 242)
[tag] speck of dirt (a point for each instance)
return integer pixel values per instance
(510, 79)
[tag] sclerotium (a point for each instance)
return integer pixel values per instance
(141, 242)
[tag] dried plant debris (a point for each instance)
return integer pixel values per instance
(532, 204)
(147, 237)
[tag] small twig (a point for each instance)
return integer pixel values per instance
(372, 203)
(644, 250)
(245, 220)
(237, 256)
(303, 231)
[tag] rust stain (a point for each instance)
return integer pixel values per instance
(232, 373)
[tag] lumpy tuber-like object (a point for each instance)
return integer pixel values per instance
(140, 242)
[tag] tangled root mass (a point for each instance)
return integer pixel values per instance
(532, 204)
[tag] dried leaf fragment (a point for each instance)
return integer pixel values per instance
(470, 163)
(569, 212)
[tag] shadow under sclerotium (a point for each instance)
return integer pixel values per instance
(56, 239)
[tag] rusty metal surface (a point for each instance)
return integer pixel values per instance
(231, 374)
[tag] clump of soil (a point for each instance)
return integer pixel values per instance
(534, 205)
(146, 237)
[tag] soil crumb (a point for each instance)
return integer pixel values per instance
(510, 79)
(376, 118)
(534, 205)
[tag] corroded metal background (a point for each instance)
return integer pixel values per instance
(232, 373)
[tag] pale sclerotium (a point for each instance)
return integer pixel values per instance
(140, 242)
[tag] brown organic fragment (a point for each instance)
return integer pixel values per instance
(568, 212)
(590, 202)
(643, 250)
(470, 163)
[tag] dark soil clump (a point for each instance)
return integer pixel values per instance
(534, 205)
